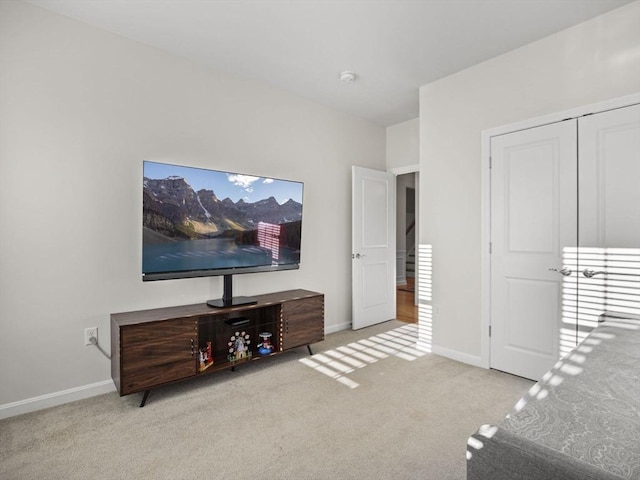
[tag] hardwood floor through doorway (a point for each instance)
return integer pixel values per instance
(406, 311)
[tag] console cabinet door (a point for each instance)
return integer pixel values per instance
(302, 322)
(156, 353)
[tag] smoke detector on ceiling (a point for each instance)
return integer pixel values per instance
(348, 77)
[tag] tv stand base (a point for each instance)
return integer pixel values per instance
(233, 302)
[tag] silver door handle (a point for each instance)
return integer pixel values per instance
(357, 255)
(564, 271)
(590, 273)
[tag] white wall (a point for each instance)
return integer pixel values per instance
(590, 62)
(80, 110)
(403, 145)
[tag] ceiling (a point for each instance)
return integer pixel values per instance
(302, 46)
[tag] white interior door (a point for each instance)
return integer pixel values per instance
(609, 199)
(373, 247)
(533, 222)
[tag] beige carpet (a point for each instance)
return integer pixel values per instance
(366, 406)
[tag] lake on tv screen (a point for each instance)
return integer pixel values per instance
(216, 253)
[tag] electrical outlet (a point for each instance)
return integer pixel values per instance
(90, 332)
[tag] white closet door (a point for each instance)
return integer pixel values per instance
(609, 219)
(533, 223)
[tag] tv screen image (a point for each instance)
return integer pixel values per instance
(201, 222)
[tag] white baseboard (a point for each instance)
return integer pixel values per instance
(337, 328)
(54, 399)
(458, 356)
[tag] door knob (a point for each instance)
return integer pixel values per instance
(590, 273)
(565, 272)
(358, 255)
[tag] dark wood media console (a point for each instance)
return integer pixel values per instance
(150, 348)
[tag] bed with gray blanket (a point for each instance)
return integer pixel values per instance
(581, 421)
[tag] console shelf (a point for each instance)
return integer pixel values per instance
(150, 348)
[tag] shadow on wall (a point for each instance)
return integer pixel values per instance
(425, 310)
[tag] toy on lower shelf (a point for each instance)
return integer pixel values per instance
(239, 347)
(265, 348)
(205, 357)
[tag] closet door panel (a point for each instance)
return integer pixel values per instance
(533, 229)
(609, 188)
(609, 215)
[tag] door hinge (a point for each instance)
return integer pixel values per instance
(489, 330)
(490, 162)
(490, 247)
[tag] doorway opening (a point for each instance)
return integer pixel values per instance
(406, 241)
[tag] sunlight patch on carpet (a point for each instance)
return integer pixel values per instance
(337, 363)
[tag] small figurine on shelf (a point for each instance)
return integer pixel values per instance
(239, 346)
(265, 348)
(206, 357)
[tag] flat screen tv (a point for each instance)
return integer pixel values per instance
(199, 222)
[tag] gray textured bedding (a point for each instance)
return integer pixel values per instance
(580, 421)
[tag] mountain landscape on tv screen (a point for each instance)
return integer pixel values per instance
(173, 211)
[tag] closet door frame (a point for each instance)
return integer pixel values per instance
(485, 345)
